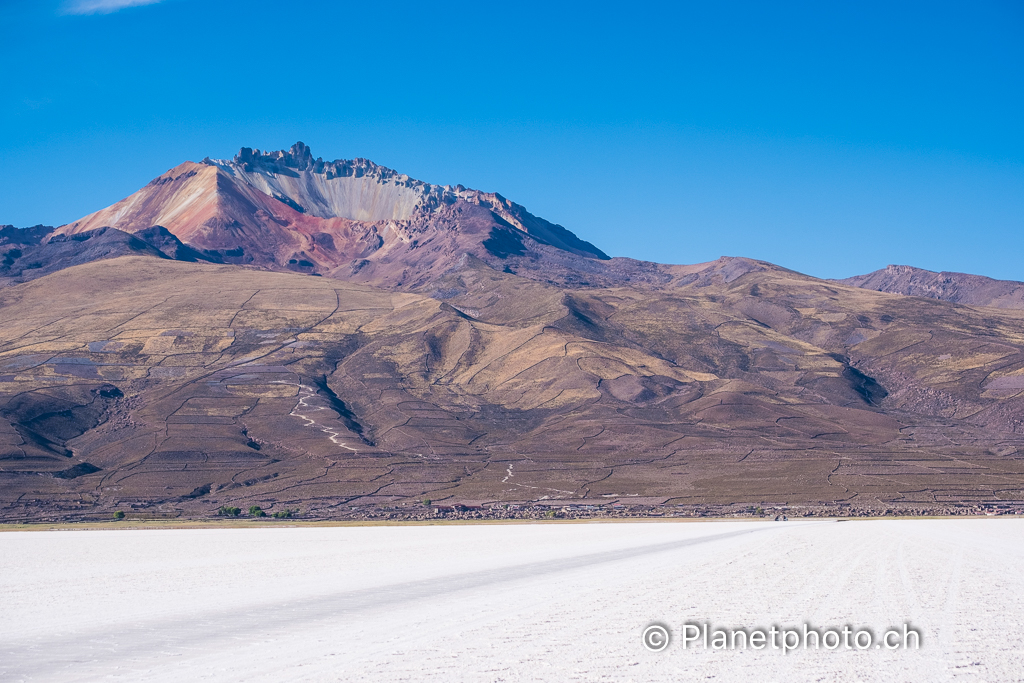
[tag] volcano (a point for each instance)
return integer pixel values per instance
(171, 356)
(350, 219)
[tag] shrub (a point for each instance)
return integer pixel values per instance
(282, 514)
(119, 514)
(256, 511)
(226, 511)
(427, 502)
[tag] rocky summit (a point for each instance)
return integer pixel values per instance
(336, 340)
(349, 219)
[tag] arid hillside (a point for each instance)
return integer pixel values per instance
(167, 388)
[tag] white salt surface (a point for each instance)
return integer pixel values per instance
(543, 602)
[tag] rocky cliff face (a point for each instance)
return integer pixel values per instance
(356, 189)
(352, 219)
(961, 288)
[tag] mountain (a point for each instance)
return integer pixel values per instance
(351, 219)
(168, 359)
(361, 222)
(961, 288)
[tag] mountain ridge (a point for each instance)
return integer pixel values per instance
(38, 252)
(356, 220)
(962, 288)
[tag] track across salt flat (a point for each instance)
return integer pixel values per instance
(540, 602)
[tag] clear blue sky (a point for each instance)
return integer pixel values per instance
(832, 138)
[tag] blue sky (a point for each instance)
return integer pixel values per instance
(831, 138)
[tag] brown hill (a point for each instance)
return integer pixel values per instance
(961, 288)
(165, 387)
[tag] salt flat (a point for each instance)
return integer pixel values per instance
(542, 602)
